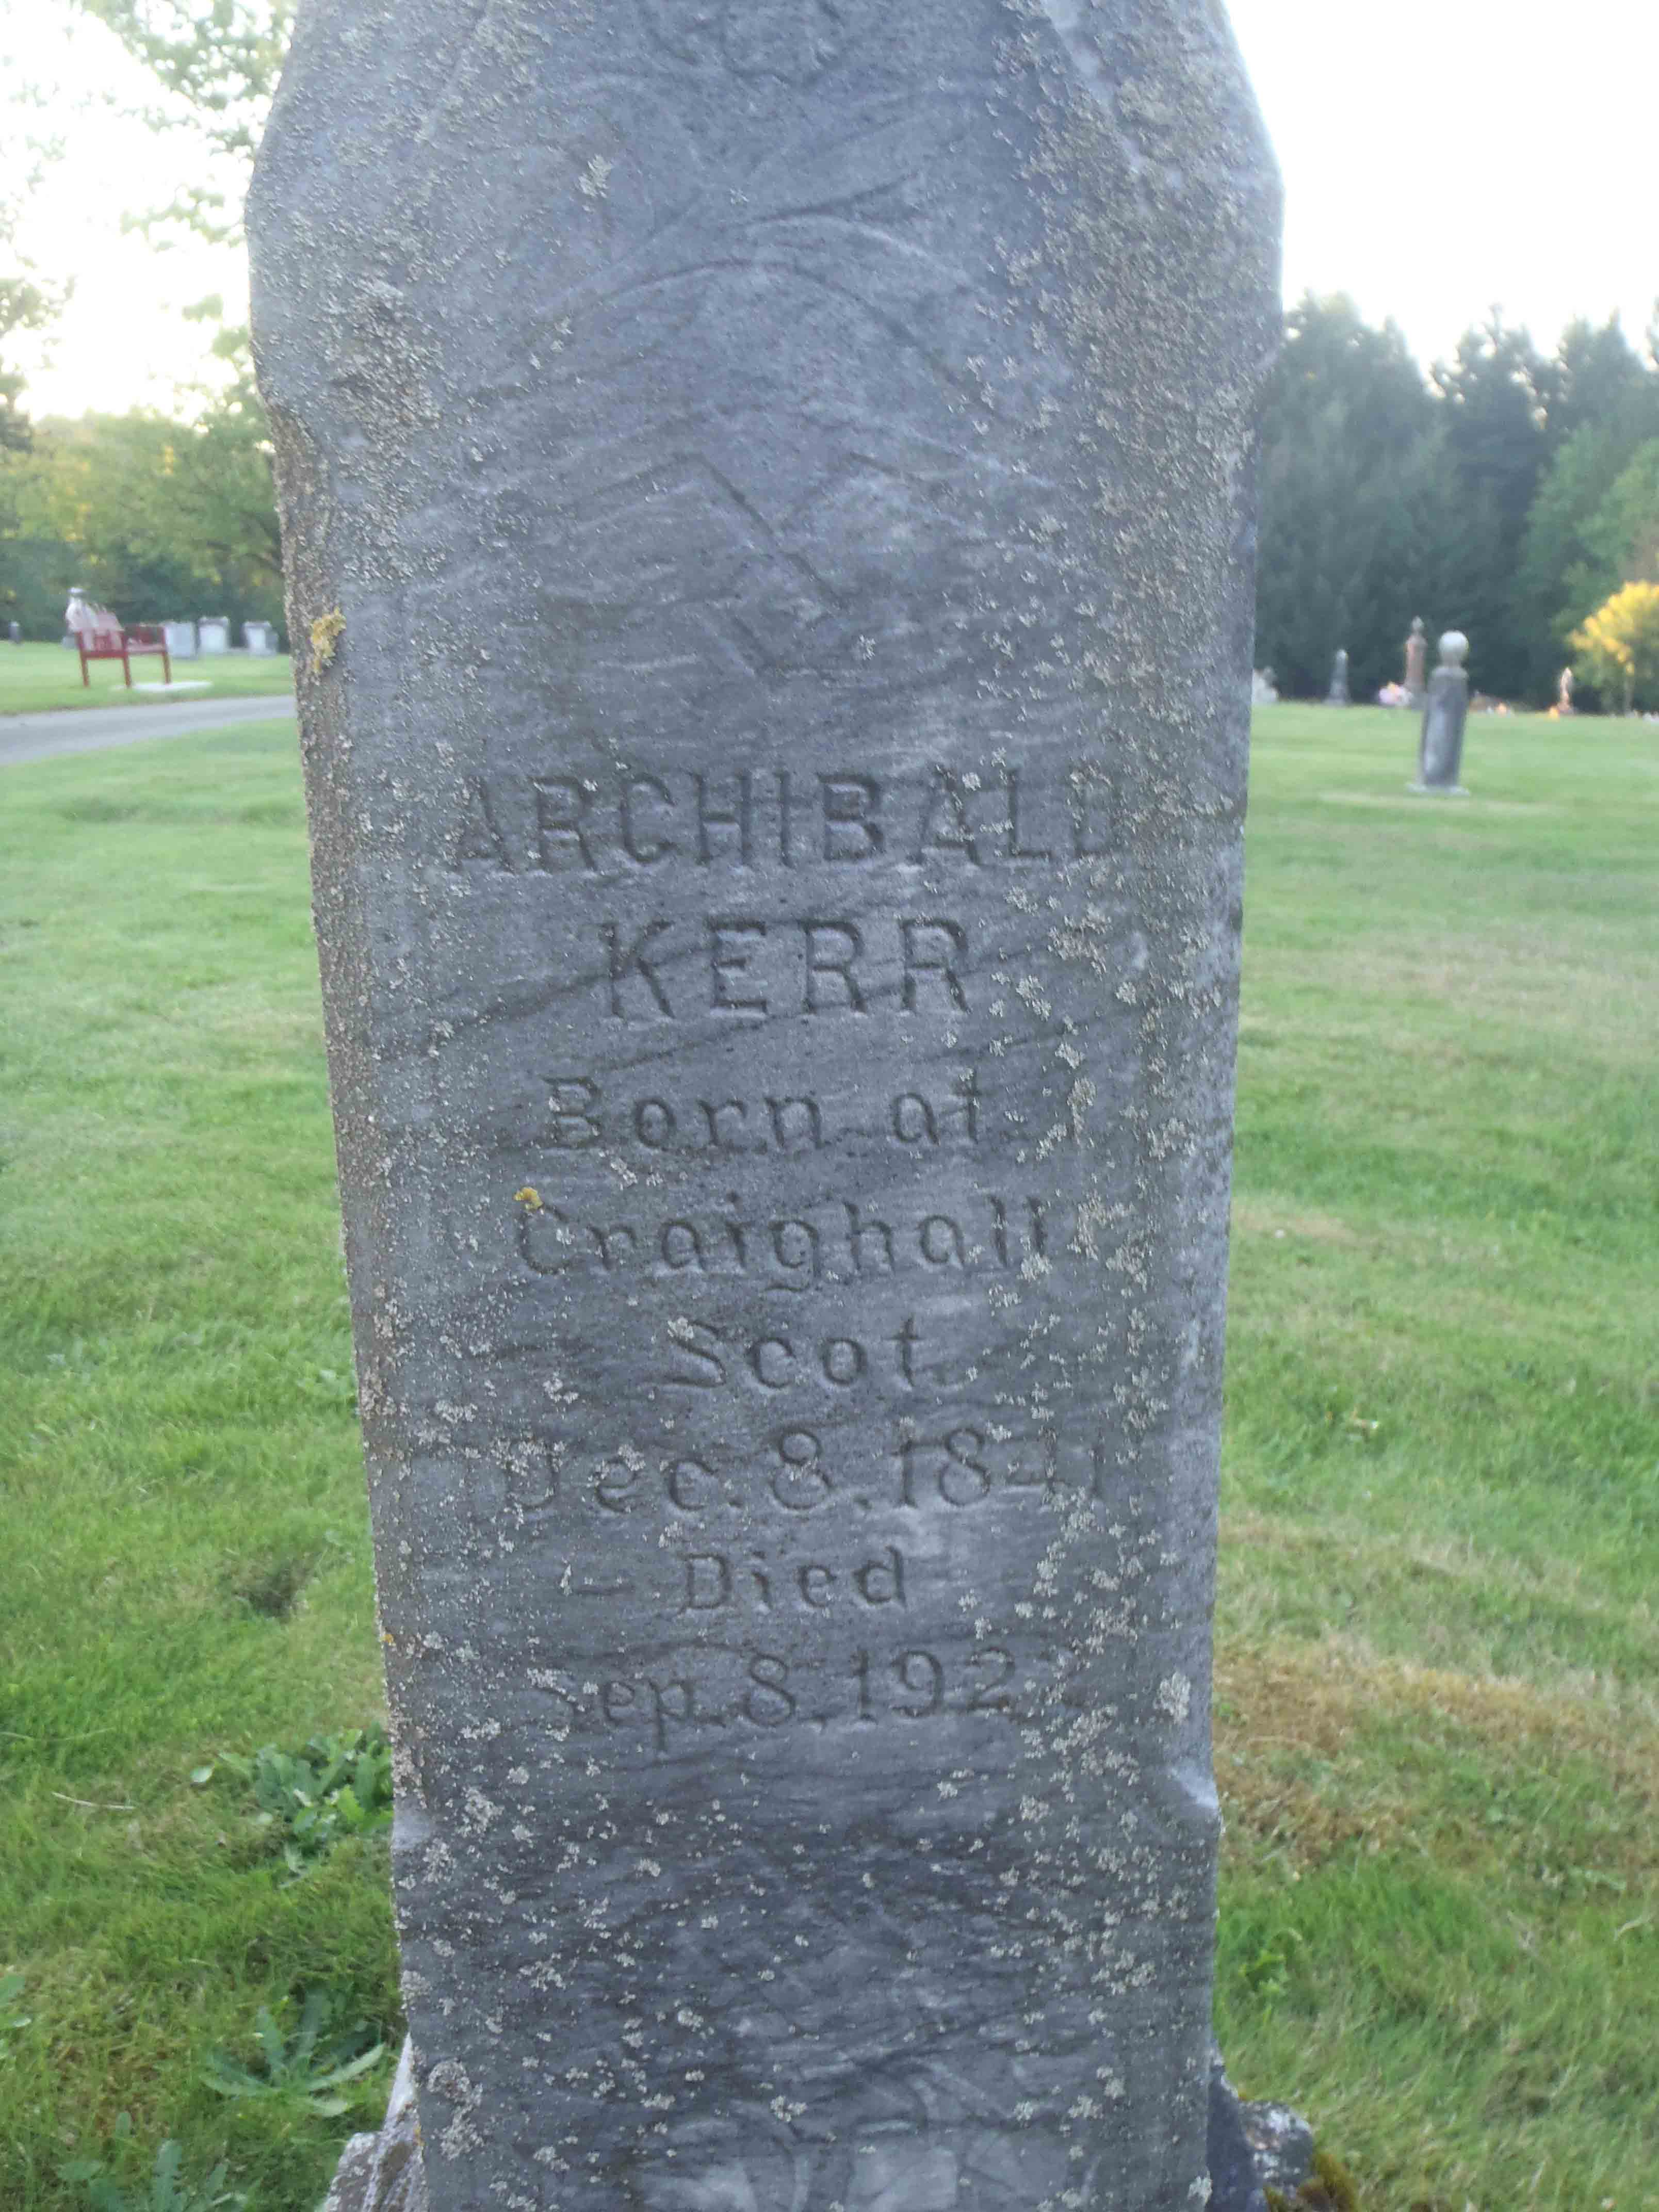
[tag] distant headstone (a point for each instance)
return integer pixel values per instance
(1563, 692)
(1338, 695)
(181, 640)
(259, 637)
(14, 632)
(1441, 754)
(781, 985)
(1264, 691)
(213, 632)
(1417, 665)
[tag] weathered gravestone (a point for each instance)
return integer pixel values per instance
(1445, 717)
(1339, 695)
(1417, 663)
(767, 487)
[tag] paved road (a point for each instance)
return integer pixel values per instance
(90, 729)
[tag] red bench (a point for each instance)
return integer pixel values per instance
(122, 645)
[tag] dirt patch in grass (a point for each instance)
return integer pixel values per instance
(1314, 1752)
(273, 1587)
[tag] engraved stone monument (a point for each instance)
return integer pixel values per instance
(1440, 752)
(767, 489)
(1417, 665)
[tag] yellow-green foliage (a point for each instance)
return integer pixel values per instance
(1620, 643)
(326, 635)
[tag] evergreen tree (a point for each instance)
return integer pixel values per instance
(1346, 416)
(1507, 501)
(1595, 374)
(1493, 397)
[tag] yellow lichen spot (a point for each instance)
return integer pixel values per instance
(528, 1197)
(326, 635)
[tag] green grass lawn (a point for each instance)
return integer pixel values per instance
(34, 678)
(1438, 1660)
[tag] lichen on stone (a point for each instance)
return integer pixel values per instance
(326, 635)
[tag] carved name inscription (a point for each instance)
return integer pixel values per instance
(832, 1281)
(793, 1421)
(616, 826)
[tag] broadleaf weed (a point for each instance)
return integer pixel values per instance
(163, 2191)
(304, 2070)
(332, 1786)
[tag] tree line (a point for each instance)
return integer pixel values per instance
(157, 519)
(1508, 493)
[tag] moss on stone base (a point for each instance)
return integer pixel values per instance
(1330, 2189)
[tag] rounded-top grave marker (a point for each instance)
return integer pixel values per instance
(769, 486)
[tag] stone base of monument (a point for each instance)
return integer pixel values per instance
(1253, 2148)
(1282, 2144)
(383, 2173)
(1439, 790)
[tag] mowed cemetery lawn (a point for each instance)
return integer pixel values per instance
(1438, 1697)
(35, 678)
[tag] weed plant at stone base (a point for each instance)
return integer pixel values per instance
(165, 2188)
(303, 2067)
(332, 1786)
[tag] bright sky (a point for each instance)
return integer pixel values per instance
(123, 340)
(1439, 156)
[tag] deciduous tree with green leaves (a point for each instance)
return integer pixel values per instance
(157, 516)
(221, 63)
(26, 303)
(1345, 483)
(1620, 644)
(1586, 521)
